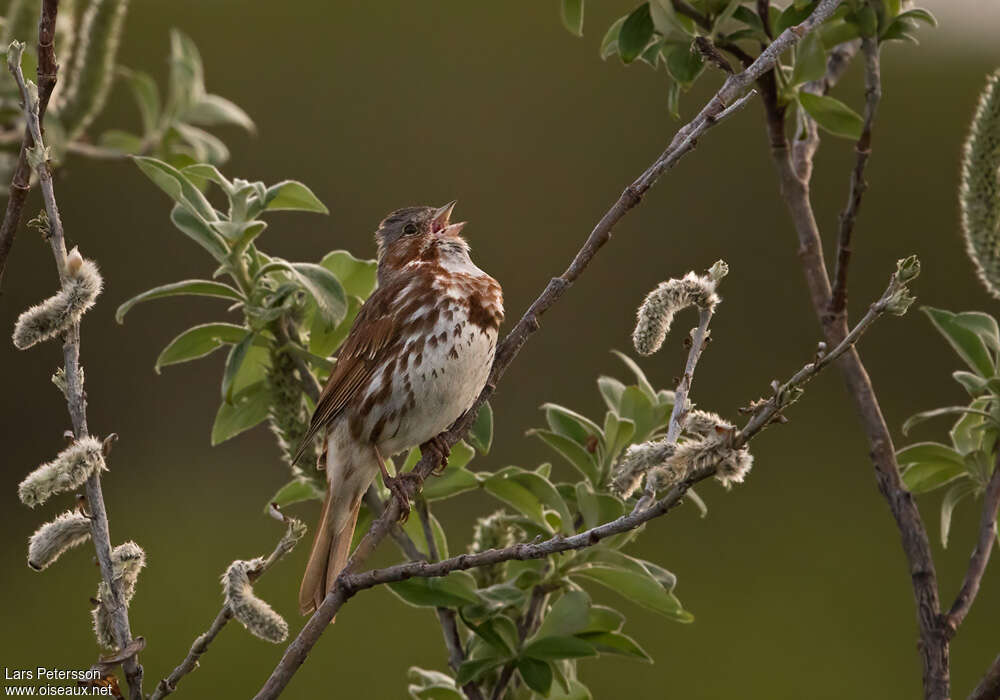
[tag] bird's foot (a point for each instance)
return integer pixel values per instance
(439, 448)
(400, 489)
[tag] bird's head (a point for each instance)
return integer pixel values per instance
(418, 233)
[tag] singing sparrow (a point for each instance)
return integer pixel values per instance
(417, 356)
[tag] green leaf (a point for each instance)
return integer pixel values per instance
(810, 60)
(749, 18)
(356, 275)
(291, 195)
(666, 20)
(927, 452)
(122, 141)
(618, 434)
(320, 283)
(920, 15)
(189, 287)
(431, 685)
(572, 452)
(577, 691)
(206, 171)
(684, 65)
(983, 325)
(249, 407)
(966, 433)
(966, 343)
(296, 491)
(635, 33)
(147, 97)
(456, 589)
(833, 115)
(571, 424)
(178, 188)
(213, 110)
(473, 669)
(640, 588)
(640, 376)
(234, 361)
(453, 481)
(572, 16)
(568, 616)
(415, 529)
(952, 497)
(527, 492)
(325, 337)
(536, 674)
(616, 643)
(197, 230)
(601, 618)
(922, 477)
(481, 432)
(934, 413)
(647, 416)
(558, 647)
(609, 44)
(187, 76)
(611, 391)
(199, 341)
(973, 383)
(205, 147)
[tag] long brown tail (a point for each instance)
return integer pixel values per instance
(331, 545)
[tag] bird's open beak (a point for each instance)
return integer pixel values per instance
(441, 223)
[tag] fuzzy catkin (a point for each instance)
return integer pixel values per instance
(68, 471)
(58, 313)
(715, 449)
(636, 463)
(979, 191)
(127, 560)
(93, 69)
(288, 417)
(256, 615)
(495, 531)
(52, 539)
(656, 314)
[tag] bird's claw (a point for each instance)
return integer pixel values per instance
(439, 446)
(400, 492)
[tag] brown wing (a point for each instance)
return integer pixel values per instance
(374, 330)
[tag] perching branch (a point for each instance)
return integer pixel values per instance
(168, 685)
(727, 100)
(980, 555)
(794, 167)
(862, 150)
(20, 184)
(75, 398)
(764, 413)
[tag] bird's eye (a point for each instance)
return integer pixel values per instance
(410, 229)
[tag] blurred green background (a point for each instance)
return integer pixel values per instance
(796, 579)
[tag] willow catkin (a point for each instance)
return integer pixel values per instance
(656, 314)
(68, 471)
(93, 68)
(256, 615)
(127, 560)
(58, 313)
(495, 531)
(52, 539)
(979, 192)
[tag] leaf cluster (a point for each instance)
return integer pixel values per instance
(668, 33)
(963, 467)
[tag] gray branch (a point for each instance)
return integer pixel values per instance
(75, 397)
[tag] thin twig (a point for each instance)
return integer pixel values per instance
(724, 103)
(680, 410)
(75, 397)
(989, 687)
(980, 555)
(794, 167)
(862, 150)
(20, 183)
(168, 685)
(446, 616)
